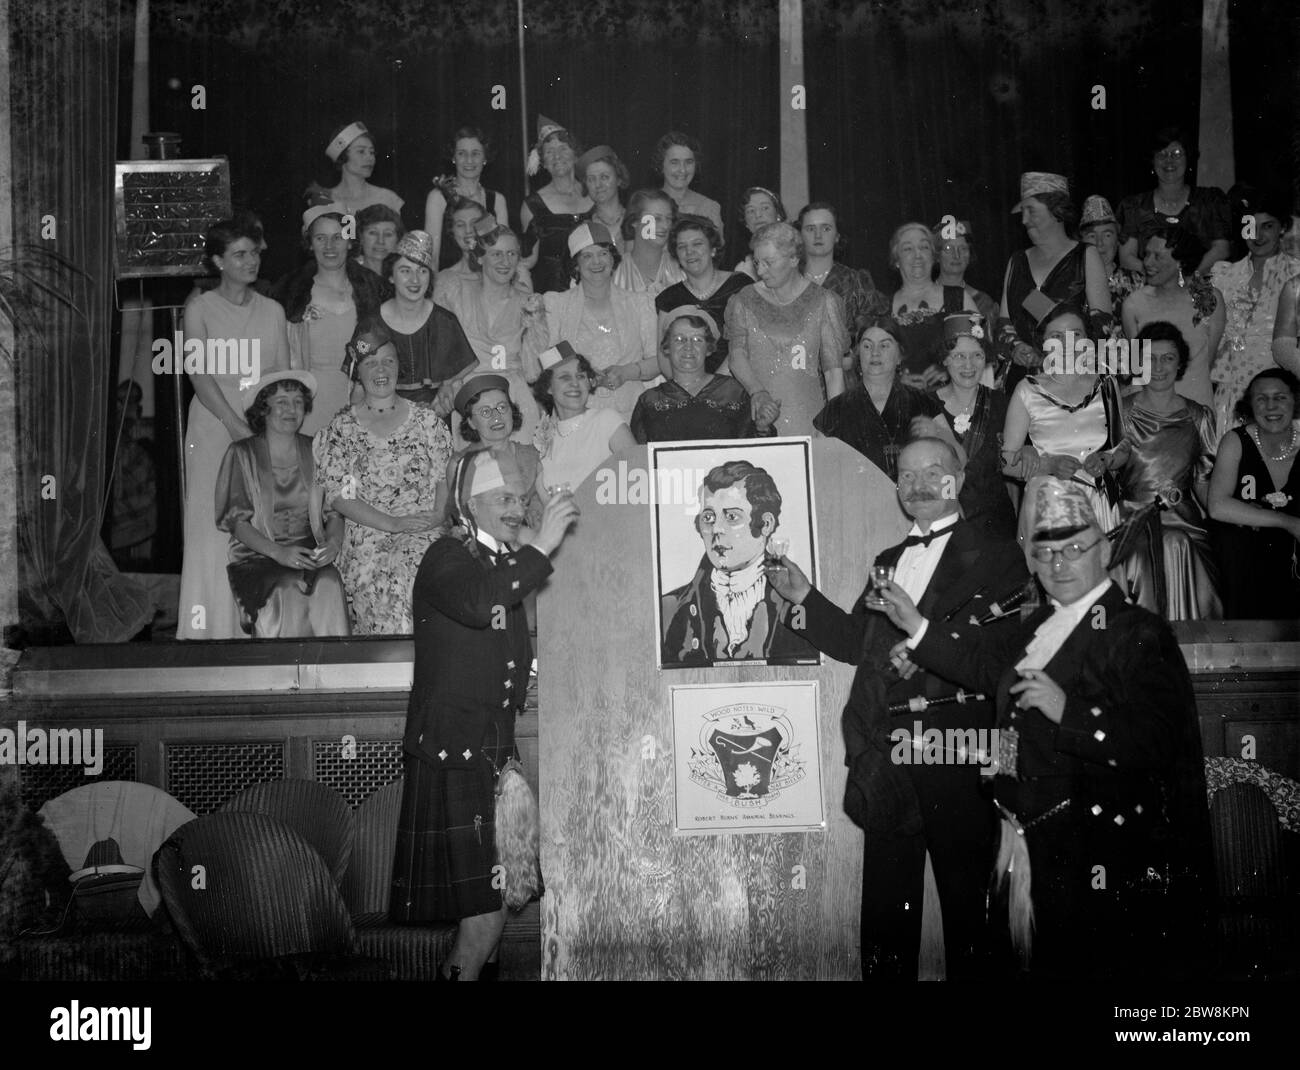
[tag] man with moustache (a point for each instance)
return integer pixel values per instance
(956, 570)
(729, 611)
(1099, 771)
(472, 660)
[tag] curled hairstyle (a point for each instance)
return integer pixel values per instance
(255, 415)
(571, 261)
(622, 177)
(484, 242)
(1244, 408)
(1166, 135)
(1062, 209)
(781, 214)
(963, 231)
(887, 324)
(1068, 307)
(665, 345)
(390, 263)
(221, 236)
(1183, 245)
(1163, 331)
(542, 388)
(564, 136)
(841, 241)
(782, 237)
(760, 491)
(896, 239)
(636, 204)
(712, 235)
(378, 213)
(467, 429)
(463, 132)
(675, 137)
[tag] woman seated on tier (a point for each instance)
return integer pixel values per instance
(787, 336)
(323, 300)
(382, 463)
(577, 436)
(1259, 291)
(954, 243)
(378, 230)
(693, 402)
(433, 354)
(604, 176)
(549, 215)
(1059, 419)
(819, 229)
(470, 152)
(1167, 451)
(759, 207)
(677, 158)
(878, 417)
(504, 326)
(697, 245)
(489, 420)
(283, 544)
(613, 327)
(1255, 497)
(1098, 228)
(352, 152)
(1172, 294)
(1204, 210)
(976, 413)
(1055, 268)
(920, 304)
(647, 266)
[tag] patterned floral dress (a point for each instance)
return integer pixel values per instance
(398, 475)
(1246, 347)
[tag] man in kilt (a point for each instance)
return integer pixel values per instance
(472, 659)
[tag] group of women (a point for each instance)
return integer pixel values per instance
(610, 320)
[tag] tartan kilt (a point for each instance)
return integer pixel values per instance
(442, 866)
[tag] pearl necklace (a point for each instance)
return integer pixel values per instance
(1287, 450)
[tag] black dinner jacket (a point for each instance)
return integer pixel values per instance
(1128, 746)
(472, 651)
(974, 570)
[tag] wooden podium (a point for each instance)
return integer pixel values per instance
(626, 899)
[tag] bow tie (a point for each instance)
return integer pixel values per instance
(925, 540)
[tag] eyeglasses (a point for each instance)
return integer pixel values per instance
(1170, 154)
(486, 412)
(691, 341)
(1071, 552)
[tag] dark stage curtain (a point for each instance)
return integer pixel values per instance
(931, 108)
(64, 79)
(621, 72)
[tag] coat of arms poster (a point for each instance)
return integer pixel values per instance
(746, 758)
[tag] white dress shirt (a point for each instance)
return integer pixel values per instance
(1051, 635)
(916, 564)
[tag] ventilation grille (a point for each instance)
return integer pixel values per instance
(376, 763)
(38, 784)
(202, 776)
